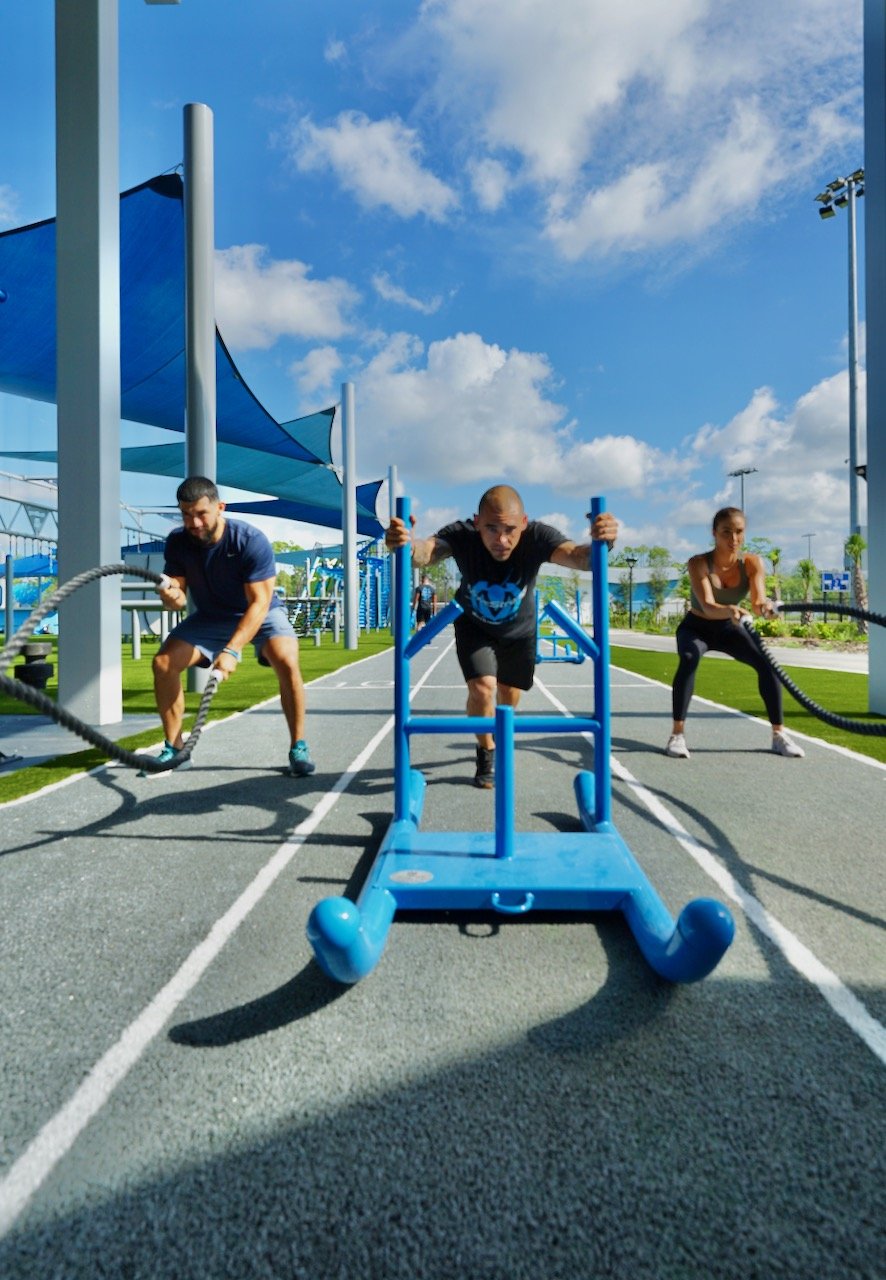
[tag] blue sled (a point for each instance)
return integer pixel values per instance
(504, 871)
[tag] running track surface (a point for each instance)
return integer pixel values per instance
(186, 1095)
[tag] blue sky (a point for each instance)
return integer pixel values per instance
(563, 243)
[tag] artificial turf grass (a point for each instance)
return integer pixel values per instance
(734, 684)
(731, 683)
(250, 685)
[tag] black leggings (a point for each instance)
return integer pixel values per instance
(695, 636)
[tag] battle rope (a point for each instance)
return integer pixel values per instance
(870, 728)
(24, 693)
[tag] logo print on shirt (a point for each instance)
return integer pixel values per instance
(496, 602)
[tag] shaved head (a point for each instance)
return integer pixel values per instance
(501, 497)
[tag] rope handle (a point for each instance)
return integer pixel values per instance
(24, 693)
(867, 728)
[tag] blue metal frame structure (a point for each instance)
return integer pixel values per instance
(563, 649)
(505, 871)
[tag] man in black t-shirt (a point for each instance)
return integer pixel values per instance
(499, 554)
(424, 602)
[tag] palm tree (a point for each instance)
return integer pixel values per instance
(807, 572)
(854, 546)
(773, 555)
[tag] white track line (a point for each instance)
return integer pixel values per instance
(59, 1133)
(844, 1003)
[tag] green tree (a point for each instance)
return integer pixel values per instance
(658, 561)
(807, 574)
(618, 559)
(854, 547)
(773, 555)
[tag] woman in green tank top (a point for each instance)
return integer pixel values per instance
(719, 581)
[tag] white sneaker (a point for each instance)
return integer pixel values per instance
(677, 747)
(782, 745)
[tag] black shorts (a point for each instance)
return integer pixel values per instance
(512, 662)
(423, 613)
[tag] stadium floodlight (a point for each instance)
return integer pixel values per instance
(840, 194)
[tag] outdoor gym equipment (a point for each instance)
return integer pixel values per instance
(25, 693)
(504, 871)
(562, 649)
(869, 728)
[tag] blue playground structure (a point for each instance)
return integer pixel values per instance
(505, 871)
(562, 648)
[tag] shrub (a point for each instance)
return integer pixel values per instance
(770, 627)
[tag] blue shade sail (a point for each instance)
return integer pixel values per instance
(290, 461)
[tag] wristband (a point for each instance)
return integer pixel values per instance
(233, 652)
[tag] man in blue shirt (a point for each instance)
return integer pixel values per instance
(228, 567)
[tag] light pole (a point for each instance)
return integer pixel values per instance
(742, 472)
(808, 537)
(630, 561)
(842, 193)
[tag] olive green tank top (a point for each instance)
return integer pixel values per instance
(724, 595)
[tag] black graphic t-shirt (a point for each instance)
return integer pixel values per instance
(499, 595)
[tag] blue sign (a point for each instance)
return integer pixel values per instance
(835, 581)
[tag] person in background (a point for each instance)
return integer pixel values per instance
(720, 580)
(499, 553)
(424, 602)
(228, 567)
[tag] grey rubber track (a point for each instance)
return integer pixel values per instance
(499, 1099)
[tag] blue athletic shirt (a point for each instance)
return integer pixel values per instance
(215, 574)
(499, 595)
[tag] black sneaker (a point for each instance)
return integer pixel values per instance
(485, 775)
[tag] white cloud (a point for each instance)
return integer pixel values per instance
(9, 205)
(547, 75)
(259, 299)
(800, 477)
(646, 125)
(490, 182)
(335, 51)
(315, 373)
(469, 412)
(390, 292)
(378, 161)
(429, 519)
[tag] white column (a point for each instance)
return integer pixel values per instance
(88, 360)
(200, 379)
(200, 388)
(349, 514)
(854, 518)
(875, 294)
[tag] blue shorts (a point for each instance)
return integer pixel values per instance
(210, 635)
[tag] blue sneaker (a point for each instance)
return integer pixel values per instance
(168, 753)
(300, 762)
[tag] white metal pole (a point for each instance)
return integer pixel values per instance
(200, 383)
(88, 352)
(854, 525)
(875, 296)
(9, 603)
(349, 514)
(200, 401)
